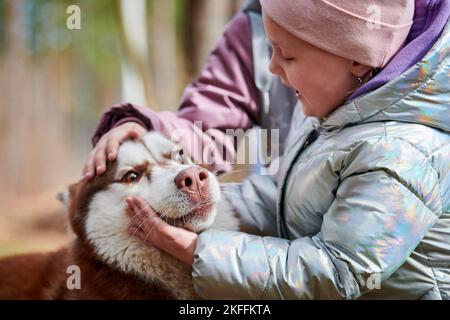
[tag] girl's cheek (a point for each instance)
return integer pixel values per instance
(296, 81)
(296, 72)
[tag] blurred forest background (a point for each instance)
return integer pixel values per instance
(56, 82)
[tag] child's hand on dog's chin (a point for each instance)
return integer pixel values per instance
(107, 147)
(150, 228)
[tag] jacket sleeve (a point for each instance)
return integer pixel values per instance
(255, 203)
(387, 200)
(223, 97)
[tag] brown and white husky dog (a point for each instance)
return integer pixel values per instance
(113, 265)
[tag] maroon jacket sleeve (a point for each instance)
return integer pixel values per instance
(224, 96)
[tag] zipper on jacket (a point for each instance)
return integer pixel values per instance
(312, 136)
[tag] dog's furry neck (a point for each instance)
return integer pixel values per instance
(112, 244)
(106, 281)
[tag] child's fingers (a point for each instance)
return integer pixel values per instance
(132, 216)
(138, 214)
(88, 171)
(108, 146)
(147, 218)
(135, 231)
(116, 138)
(135, 131)
(129, 211)
(100, 160)
(131, 134)
(136, 217)
(111, 149)
(138, 225)
(127, 131)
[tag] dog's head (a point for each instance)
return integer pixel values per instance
(154, 169)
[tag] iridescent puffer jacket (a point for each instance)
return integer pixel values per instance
(361, 208)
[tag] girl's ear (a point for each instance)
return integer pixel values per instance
(359, 70)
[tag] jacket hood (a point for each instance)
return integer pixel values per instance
(420, 95)
(430, 17)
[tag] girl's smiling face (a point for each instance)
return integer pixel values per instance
(323, 81)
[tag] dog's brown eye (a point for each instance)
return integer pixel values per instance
(131, 177)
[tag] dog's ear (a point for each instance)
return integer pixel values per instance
(65, 196)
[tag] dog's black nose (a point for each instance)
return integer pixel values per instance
(192, 179)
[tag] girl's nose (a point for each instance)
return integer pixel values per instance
(274, 67)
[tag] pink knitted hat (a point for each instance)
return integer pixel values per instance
(369, 32)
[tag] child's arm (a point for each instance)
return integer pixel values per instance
(223, 97)
(255, 203)
(380, 214)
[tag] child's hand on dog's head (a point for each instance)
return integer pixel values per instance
(107, 147)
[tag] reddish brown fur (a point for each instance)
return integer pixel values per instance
(44, 276)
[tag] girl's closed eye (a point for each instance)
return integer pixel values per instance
(287, 59)
(283, 56)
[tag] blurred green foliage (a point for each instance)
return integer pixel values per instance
(2, 27)
(98, 40)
